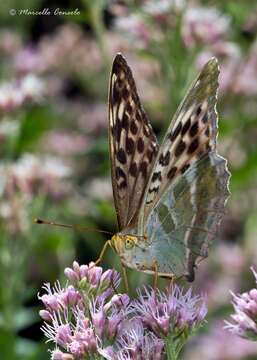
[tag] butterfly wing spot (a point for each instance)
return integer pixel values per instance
(121, 156)
(205, 118)
(180, 148)
(172, 172)
(143, 169)
(164, 159)
(207, 132)
(133, 169)
(130, 146)
(120, 173)
(193, 146)
(140, 145)
(194, 129)
(174, 134)
(133, 127)
(198, 110)
(125, 122)
(157, 176)
(186, 127)
(184, 168)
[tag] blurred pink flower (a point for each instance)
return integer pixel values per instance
(229, 57)
(70, 50)
(245, 317)
(10, 42)
(220, 345)
(204, 25)
(32, 174)
(135, 28)
(65, 143)
(92, 117)
(14, 94)
(163, 6)
(28, 60)
(246, 81)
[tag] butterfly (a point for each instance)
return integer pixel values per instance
(169, 199)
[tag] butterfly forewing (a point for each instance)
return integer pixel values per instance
(192, 134)
(132, 143)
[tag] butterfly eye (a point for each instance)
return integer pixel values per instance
(129, 243)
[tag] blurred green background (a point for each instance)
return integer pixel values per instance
(54, 67)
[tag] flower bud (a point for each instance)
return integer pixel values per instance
(45, 315)
(71, 275)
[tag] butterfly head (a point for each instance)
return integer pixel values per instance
(124, 244)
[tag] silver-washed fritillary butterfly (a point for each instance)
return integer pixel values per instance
(169, 199)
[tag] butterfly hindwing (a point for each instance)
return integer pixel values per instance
(186, 219)
(132, 143)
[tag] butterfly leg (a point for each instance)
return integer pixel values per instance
(100, 258)
(155, 279)
(125, 278)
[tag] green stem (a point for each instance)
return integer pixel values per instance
(174, 345)
(95, 9)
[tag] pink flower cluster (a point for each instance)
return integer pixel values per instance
(89, 319)
(245, 317)
(14, 94)
(31, 174)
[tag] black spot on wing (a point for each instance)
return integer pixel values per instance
(194, 129)
(176, 132)
(184, 168)
(130, 146)
(133, 127)
(172, 172)
(205, 118)
(186, 127)
(207, 132)
(121, 156)
(140, 145)
(198, 110)
(165, 159)
(157, 176)
(143, 169)
(193, 146)
(180, 148)
(125, 122)
(133, 169)
(154, 189)
(120, 173)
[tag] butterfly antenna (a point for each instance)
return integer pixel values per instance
(75, 227)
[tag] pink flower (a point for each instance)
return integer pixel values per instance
(88, 320)
(171, 311)
(246, 82)
(245, 317)
(203, 25)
